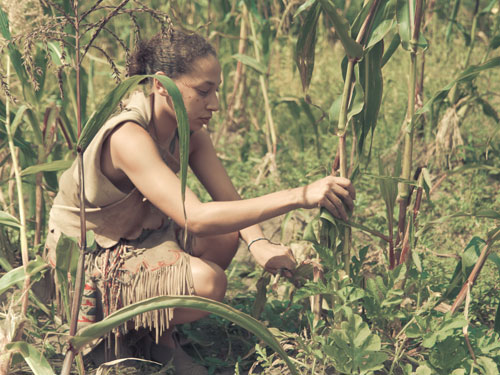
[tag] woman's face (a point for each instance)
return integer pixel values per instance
(199, 90)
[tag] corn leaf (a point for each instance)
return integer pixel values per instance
(14, 54)
(251, 62)
(35, 360)
(305, 6)
(67, 253)
(495, 42)
(381, 23)
(306, 45)
(393, 46)
(370, 77)
(9, 220)
(17, 275)
(53, 166)
(98, 329)
(467, 75)
(486, 213)
(352, 48)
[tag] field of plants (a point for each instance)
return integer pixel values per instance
(400, 96)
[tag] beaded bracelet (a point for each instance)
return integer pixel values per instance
(257, 239)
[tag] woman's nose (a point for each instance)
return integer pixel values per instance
(213, 102)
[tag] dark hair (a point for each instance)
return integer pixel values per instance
(172, 53)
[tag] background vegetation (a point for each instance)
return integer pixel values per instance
(401, 289)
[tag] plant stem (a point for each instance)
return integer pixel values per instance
(408, 125)
(475, 271)
(271, 131)
(75, 306)
(20, 199)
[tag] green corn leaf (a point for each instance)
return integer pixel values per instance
(495, 42)
(9, 220)
(382, 22)
(35, 125)
(251, 62)
(305, 6)
(404, 26)
(4, 25)
(35, 360)
(488, 109)
(53, 166)
(96, 330)
(17, 275)
(467, 75)
(489, 7)
(67, 253)
(393, 46)
(370, 77)
(487, 214)
(352, 48)
(306, 44)
(17, 119)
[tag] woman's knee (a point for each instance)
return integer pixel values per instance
(209, 279)
(219, 249)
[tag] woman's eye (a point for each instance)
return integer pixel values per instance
(202, 92)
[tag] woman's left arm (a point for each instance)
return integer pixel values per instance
(212, 174)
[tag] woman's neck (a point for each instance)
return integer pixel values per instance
(164, 122)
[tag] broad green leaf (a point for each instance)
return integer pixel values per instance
(306, 44)
(488, 214)
(352, 48)
(393, 46)
(17, 120)
(488, 7)
(370, 76)
(35, 126)
(467, 75)
(35, 360)
(17, 275)
(495, 42)
(96, 330)
(4, 25)
(9, 220)
(67, 253)
(423, 370)
(488, 109)
(488, 365)
(53, 166)
(251, 62)
(381, 23)
(306, 5)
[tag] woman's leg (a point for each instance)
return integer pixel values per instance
(219, 249)
(212, 255)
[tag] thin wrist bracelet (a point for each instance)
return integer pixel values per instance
(257, 239)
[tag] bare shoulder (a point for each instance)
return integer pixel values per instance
(128, 146)
(200, 142)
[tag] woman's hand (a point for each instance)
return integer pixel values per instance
(273, 257)
(333, 193)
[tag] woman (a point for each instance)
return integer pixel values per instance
(133, 197)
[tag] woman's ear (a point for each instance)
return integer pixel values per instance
(158, 87)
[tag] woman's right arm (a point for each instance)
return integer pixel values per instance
(133, 152)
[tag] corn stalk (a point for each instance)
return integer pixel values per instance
(19, 328)
(414, 19)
